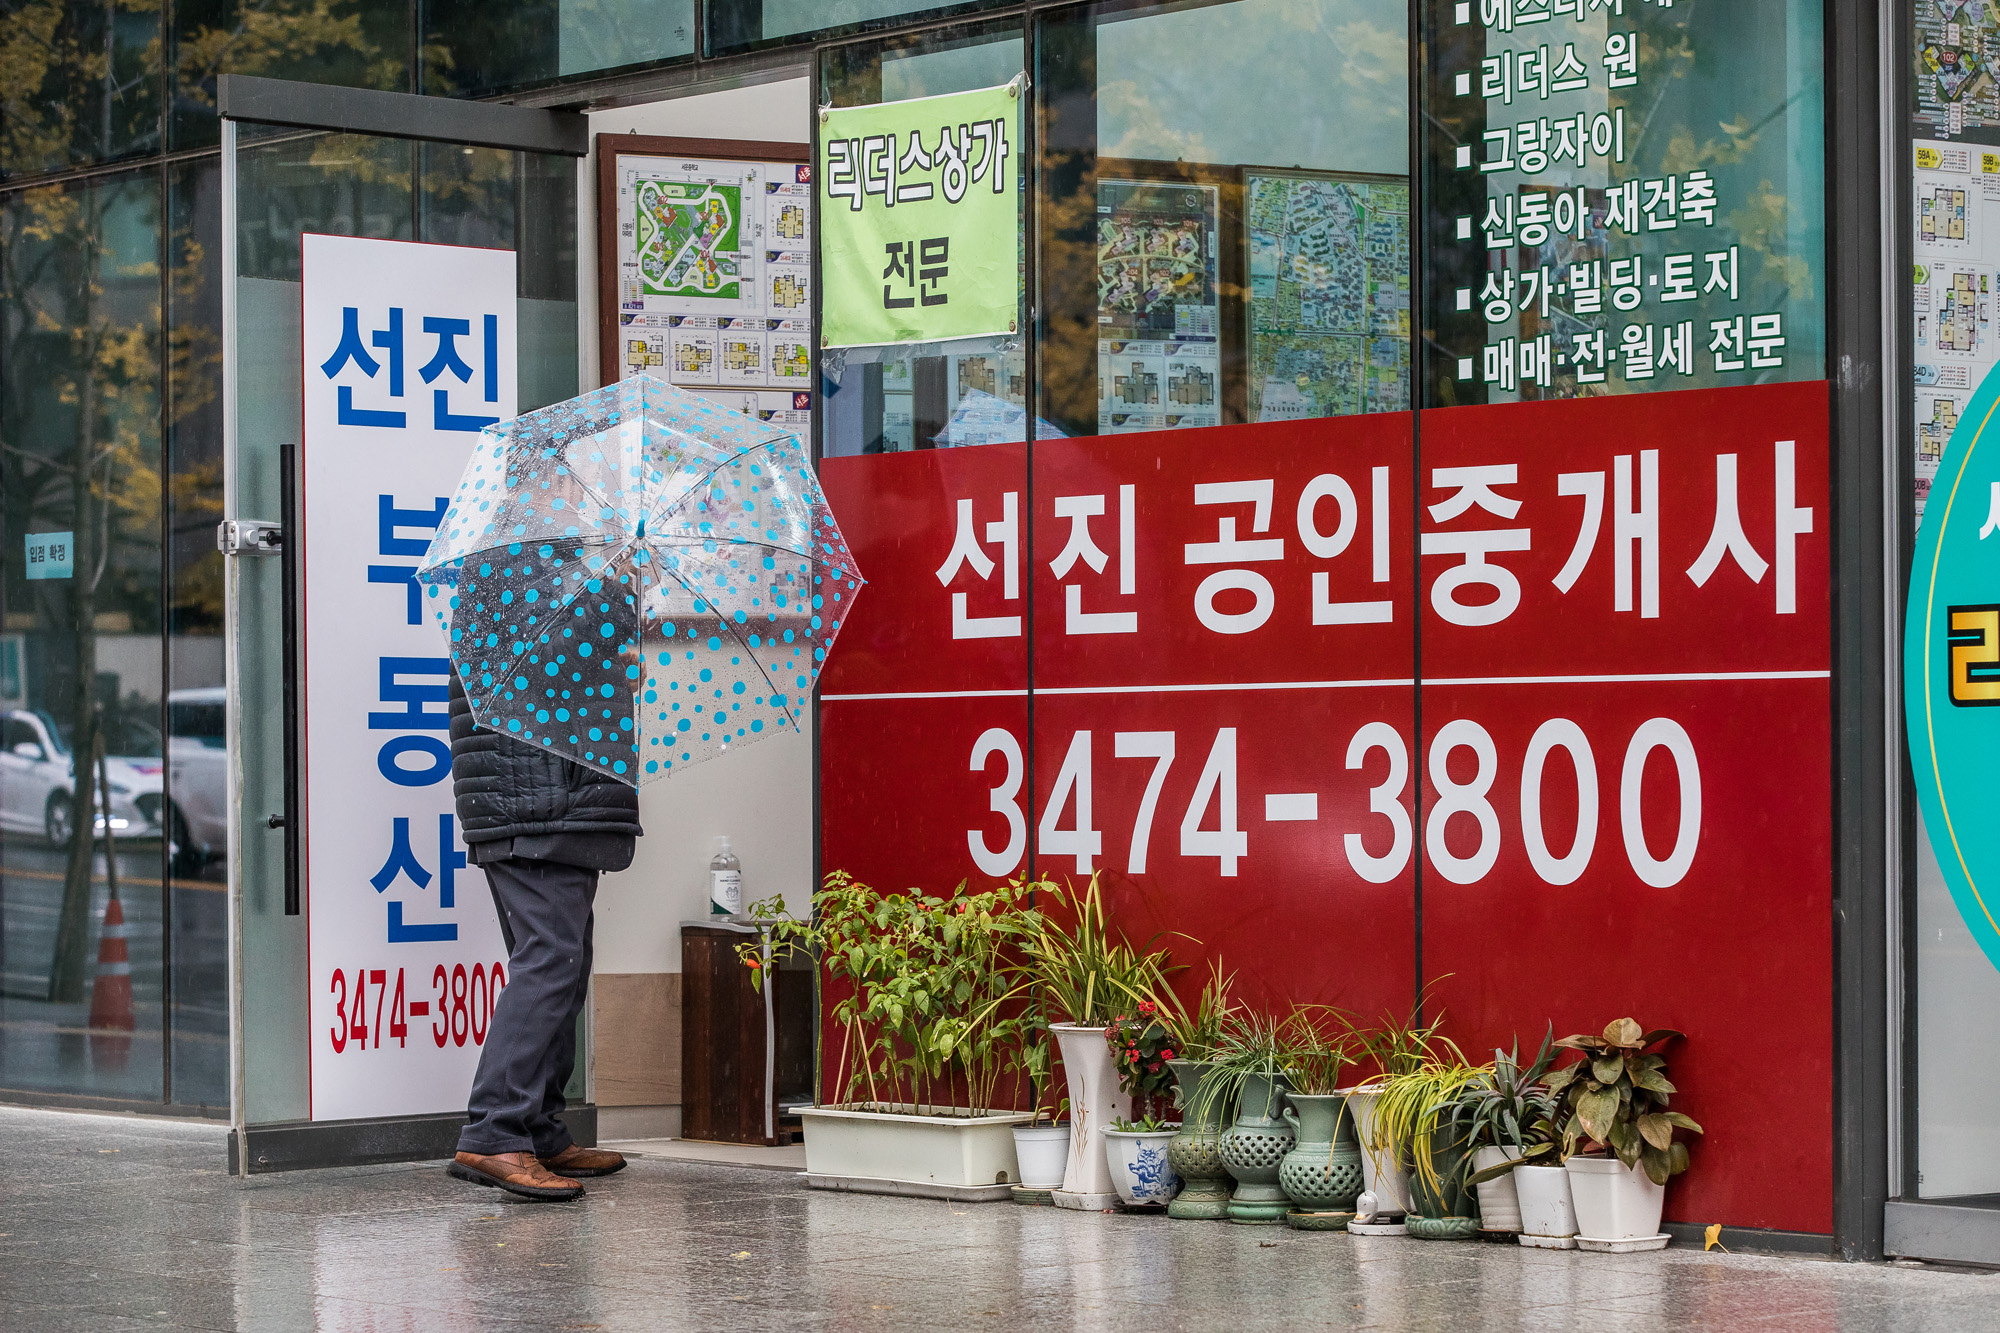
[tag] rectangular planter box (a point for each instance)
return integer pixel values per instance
(962, 1157)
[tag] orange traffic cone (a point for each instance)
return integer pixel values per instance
(111, 994)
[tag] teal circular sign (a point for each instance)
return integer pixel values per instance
(1951, 666)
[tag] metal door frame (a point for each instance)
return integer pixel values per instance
(318, 107)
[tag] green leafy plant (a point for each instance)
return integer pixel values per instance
(1508, 1107)
(933, 988)
(1398, 1046)
(1318, 1049)
(1414, 1103)
(1084, 968)
(1140, 1048)
(1196, 1030)
(1031, 1057)
(1616, 1096)
(1148, 1125)
(1249, 1043)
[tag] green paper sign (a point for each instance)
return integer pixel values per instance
(920, 232)
(1951, 666)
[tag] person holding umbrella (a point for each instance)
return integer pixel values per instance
(631, 582)
(543, 829)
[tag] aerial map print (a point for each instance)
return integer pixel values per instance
(687, 242)
(1329, 308)
(1156, 260)
(1957, 43)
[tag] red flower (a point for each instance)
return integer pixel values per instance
(1166, 1055)
(1133, 1057)
(1155, 1066)
(1145, 1007)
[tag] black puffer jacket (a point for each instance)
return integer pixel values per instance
(509, 789)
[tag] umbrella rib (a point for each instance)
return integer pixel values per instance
(731, 630)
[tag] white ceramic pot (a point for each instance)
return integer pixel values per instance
(1545, 1201)
(1499, 1205)
(1614, 1201)
(1386, 1180)
(1095, 1100)
(1043, 1151)
(1139, 1168)
(937, 1154)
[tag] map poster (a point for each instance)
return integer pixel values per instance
(1955, 246)
(921, 235)
(1955, 45)
(709, 269)
(1328, 313)
(1159, 305)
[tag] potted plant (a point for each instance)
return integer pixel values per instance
(1548, 1216)
(1248, 1073)
(1140, 1169)
(1041, 1149)
(1492, 1115)
(1616, 1097)
(1084, 973)
(1411, 1126)
(1196, 1151)
(1141, 1047)
(932, 998)
(1321, 1175)
(1396, 1047)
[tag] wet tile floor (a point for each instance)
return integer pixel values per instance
(116, 1223)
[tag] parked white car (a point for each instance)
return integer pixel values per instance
(196, 741)
(37, 783)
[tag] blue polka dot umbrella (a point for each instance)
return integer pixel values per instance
(639, 579)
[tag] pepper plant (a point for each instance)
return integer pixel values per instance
(1617, 1096)
(932, 987)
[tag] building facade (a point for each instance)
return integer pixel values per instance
(1426, 514)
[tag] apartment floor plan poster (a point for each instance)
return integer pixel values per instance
(1159, 314)
(1956, 248)
(714, 274)
(1956, 47)
(1329, 309)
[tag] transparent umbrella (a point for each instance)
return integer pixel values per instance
(639, 579)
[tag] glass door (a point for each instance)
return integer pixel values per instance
(281, 185)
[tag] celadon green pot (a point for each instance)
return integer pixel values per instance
(1453, 1212)
(1253, 1148)
(1196, 1152)
(1322, 1174)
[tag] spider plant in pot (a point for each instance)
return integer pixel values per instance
(1249, 1071)
(1196, 1151)
(1084, 969)
(1321, 1175)
(1492, 1115)
(1394, 1047)
(1620, 1136)
(1411, 1127)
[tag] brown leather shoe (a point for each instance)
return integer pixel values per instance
(577, 1160)
(516, 1172)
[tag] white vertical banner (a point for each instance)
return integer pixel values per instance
(409, 351)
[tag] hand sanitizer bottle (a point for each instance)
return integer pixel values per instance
(725, 882)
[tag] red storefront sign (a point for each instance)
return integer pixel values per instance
(1308, 695)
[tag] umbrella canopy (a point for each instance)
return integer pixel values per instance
(639, 579)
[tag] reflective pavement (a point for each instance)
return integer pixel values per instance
(112, 1223)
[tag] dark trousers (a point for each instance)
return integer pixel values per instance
(517, 1095)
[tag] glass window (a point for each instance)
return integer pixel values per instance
(82, 85)
(903, 396)
(354, 43)
(1209, 257)
(83, 814)
(475, 46)
(1622, 202)
(741, 25)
